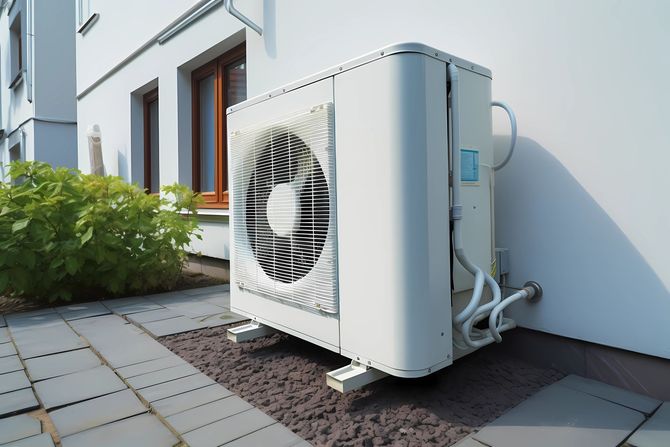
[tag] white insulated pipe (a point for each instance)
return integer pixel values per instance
(472, 310)
(512, 123)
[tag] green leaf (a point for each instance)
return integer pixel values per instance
(28, 258)
(20, 224)
(87, 235)
(71, 265)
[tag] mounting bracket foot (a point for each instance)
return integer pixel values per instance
(249, 332)
(352, 377)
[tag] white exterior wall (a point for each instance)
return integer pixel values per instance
(48, 119)
(116, 103)
(587, 81)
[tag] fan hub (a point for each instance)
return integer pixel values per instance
(283, 209)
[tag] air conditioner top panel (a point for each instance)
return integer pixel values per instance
(409, 47)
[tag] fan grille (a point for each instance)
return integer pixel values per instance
(298, 267)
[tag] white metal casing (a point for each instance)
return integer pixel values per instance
(391, 152)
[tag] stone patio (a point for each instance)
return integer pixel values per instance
(578, 411)
(105, 381)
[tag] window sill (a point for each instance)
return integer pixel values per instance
(211, 212)
(17, 80)
(88, 23)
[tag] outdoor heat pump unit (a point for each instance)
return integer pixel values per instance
(362, 213)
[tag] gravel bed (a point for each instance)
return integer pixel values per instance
(285, 377)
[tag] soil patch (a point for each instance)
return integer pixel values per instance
(285, 377)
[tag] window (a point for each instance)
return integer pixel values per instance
(83, 8)
(16, 49)
(217, 85)
(15, 153)
(85, 19)
(151, 153)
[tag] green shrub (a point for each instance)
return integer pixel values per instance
(67, 235)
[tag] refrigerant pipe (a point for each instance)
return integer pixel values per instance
(481, 277)
(512, 123)
(473, 312)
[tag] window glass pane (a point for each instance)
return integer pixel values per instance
(236, 82)
(207, 134)
(153, 138)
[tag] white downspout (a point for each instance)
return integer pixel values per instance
(29, 50)
(230, 7)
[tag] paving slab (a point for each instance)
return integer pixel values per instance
(153, 315)
(10, 363)
(87, 326)
(109, 334)
(144, 430)
(469, 441)
(13, 381)
(83, 310)
(152, 365)
(220, 299)
(655, 432)
(125, 306)
(195, 308)
(172, 326)
(16, 401)
(620, 396)
(4, 335)
(164, 375)
(55, 365)
(7, 349)
(275, 435)
(558, 416)
(206, 414)
(95, 412)
(167, 297)
(21, 324)
(174, 387)
(18, 427)
(207, 290)
(42, 440)
(30, 313)
(78, 386)
(229, 429)
(221, 319)
(47, 340)
(142, 349)
(191, 399)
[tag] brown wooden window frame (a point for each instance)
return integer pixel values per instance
(147, 100)
(219, 197)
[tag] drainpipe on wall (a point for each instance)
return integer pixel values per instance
(230, 7)
(29, 50)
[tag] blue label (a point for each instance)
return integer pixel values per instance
(469, 165)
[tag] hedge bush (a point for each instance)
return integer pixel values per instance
(64, 234)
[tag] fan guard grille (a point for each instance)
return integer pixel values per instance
(290, 255)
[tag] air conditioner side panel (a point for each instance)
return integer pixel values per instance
(393, 214)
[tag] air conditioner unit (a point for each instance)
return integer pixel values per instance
(343, 213)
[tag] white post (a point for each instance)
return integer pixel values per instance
(95, 150)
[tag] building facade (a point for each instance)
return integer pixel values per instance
(38, 110)
(583, 78)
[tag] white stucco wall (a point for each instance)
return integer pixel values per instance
(581, 206)
(49, 120)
